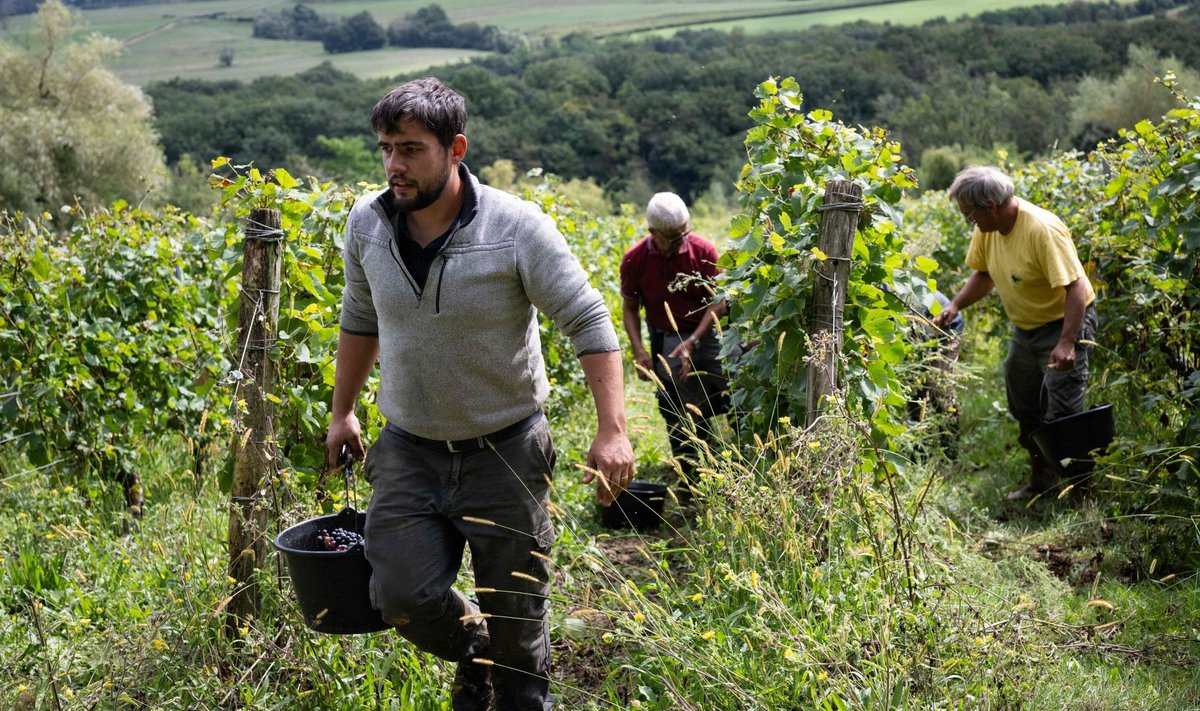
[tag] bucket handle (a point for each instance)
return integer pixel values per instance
(1044, 392)
(346, 462)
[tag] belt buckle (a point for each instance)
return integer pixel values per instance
(450, 447)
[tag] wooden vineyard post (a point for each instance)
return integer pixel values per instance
(254, 443)
(839, 221)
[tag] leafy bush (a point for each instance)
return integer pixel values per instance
(431, 27)
(353, 34)
(72, 129)
(110, 335)
(300, 23)
(939, 166)
(769, 270)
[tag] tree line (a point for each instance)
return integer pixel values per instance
(1078, 12)
(670, 112)
(427, 27)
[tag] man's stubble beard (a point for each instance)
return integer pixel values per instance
(425, 196)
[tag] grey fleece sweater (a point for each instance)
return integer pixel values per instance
(461, 357)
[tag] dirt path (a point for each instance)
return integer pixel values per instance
(150, 33)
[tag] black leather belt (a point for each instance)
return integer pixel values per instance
(472, 444)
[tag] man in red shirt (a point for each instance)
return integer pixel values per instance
(669, 273)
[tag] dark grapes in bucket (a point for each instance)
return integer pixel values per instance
(339, 539)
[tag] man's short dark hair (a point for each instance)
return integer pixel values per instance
(427, 101)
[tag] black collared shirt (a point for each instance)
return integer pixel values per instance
(417, 259)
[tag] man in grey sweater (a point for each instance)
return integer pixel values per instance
(444, 278)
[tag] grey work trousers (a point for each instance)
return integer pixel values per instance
(1037, 394)
(706, 389)
(426, 504)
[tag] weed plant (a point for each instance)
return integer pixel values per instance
(797, 579)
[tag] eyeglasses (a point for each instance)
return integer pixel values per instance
(971, 216)
(673, 237)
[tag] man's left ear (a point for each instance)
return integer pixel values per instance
(459, 147)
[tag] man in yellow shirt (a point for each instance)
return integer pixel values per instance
(1026, 254)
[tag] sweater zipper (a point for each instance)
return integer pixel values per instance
(437, 301)
(437, 298)
(399, 265)
(393, 247)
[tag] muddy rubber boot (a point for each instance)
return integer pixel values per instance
(472, 687)
(1043, 477)
(1079, 476)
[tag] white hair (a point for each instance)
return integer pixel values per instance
(666, 212)
(981, 186)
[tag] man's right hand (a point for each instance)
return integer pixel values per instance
(946, 316)
(644, 364)
(344, 431)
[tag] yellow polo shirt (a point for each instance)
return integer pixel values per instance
(1030, 266)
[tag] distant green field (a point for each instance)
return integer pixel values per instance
(185, 38)
(911, 12)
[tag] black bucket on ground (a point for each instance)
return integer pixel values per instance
(1075, 437)
(333, 587)
(640, 506)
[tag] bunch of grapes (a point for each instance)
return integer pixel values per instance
(339, 539)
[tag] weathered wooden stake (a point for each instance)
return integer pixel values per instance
(843, 201)
(254, 445)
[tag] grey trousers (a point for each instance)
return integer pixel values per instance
(706, 389)
(1037, 394)
(426, 504)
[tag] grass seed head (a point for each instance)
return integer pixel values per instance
(480, 521)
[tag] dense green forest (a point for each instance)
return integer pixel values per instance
(670, 111)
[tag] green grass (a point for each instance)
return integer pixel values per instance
(742, 603)
(184, 39)
(190, 48)
(910, 12)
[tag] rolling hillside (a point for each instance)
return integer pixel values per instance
(185, 39)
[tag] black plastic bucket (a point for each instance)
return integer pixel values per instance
(333, 587)
(1076, 436)
(640, 506)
